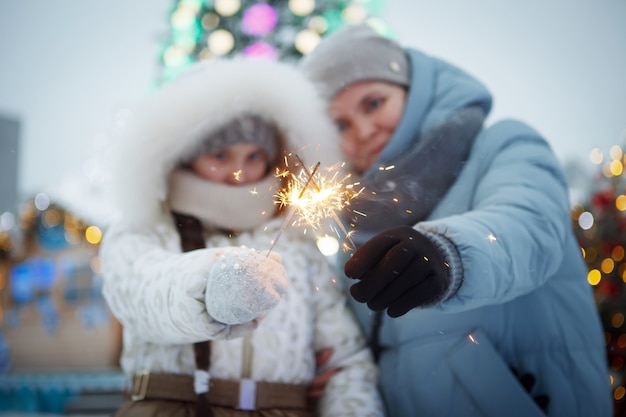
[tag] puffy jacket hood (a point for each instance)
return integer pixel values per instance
(171, 122)
(436, 92)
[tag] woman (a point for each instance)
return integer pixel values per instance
(465, 242)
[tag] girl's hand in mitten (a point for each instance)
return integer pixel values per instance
(243, 285)
(398, 269)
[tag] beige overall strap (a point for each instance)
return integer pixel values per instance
(246, 357)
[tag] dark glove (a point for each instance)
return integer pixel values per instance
(399, 269)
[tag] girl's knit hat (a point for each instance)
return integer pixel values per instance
(355, 53)
(246, 129)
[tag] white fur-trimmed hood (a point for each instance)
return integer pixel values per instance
(176, 118)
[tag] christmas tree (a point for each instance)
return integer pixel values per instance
(277, 29)
(600, 226)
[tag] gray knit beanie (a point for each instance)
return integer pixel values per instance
(247, 129)
(355, 53)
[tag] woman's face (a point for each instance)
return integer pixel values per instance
(367, 114)
(239, 164)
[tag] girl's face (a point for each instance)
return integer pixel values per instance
(367, 114)
(240, 164)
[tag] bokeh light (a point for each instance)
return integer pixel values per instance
(174, 56)
(354, 14)
(306, 41)
(220, 42)
(616, 152)
(259, 20)
(596, 156)
(227, 7)
(585, 220)
(42, 201)
(618, 253)
(7, 221)
(328, 245)
(594, 276)
(93, 235)
(210, 21)
(261, 50)
(318, 24)
(607, 265)
(616, 168)
(301, 7)
(182, 18)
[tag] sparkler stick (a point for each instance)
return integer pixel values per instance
(292, 209)
(306, 171)
(343, 229)
(309, 180)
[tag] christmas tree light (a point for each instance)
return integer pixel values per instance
(274, 29)
(600, 226)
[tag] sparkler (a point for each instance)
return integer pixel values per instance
(313, 197)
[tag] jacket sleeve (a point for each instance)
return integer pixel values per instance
(353, 391)
(515, 235)
(158, 293)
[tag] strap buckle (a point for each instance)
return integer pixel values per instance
(140, 385)
(247, 395)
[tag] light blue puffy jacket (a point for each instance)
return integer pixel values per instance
(524, 302)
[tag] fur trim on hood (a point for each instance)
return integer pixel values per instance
(179, 116)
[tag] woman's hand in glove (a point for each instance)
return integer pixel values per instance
(243, 285)
(399, 269)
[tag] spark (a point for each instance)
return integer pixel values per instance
(316, 196)
(313, 195)
(491, 237)
(237, 175)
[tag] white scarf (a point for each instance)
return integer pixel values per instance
(220, 205)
